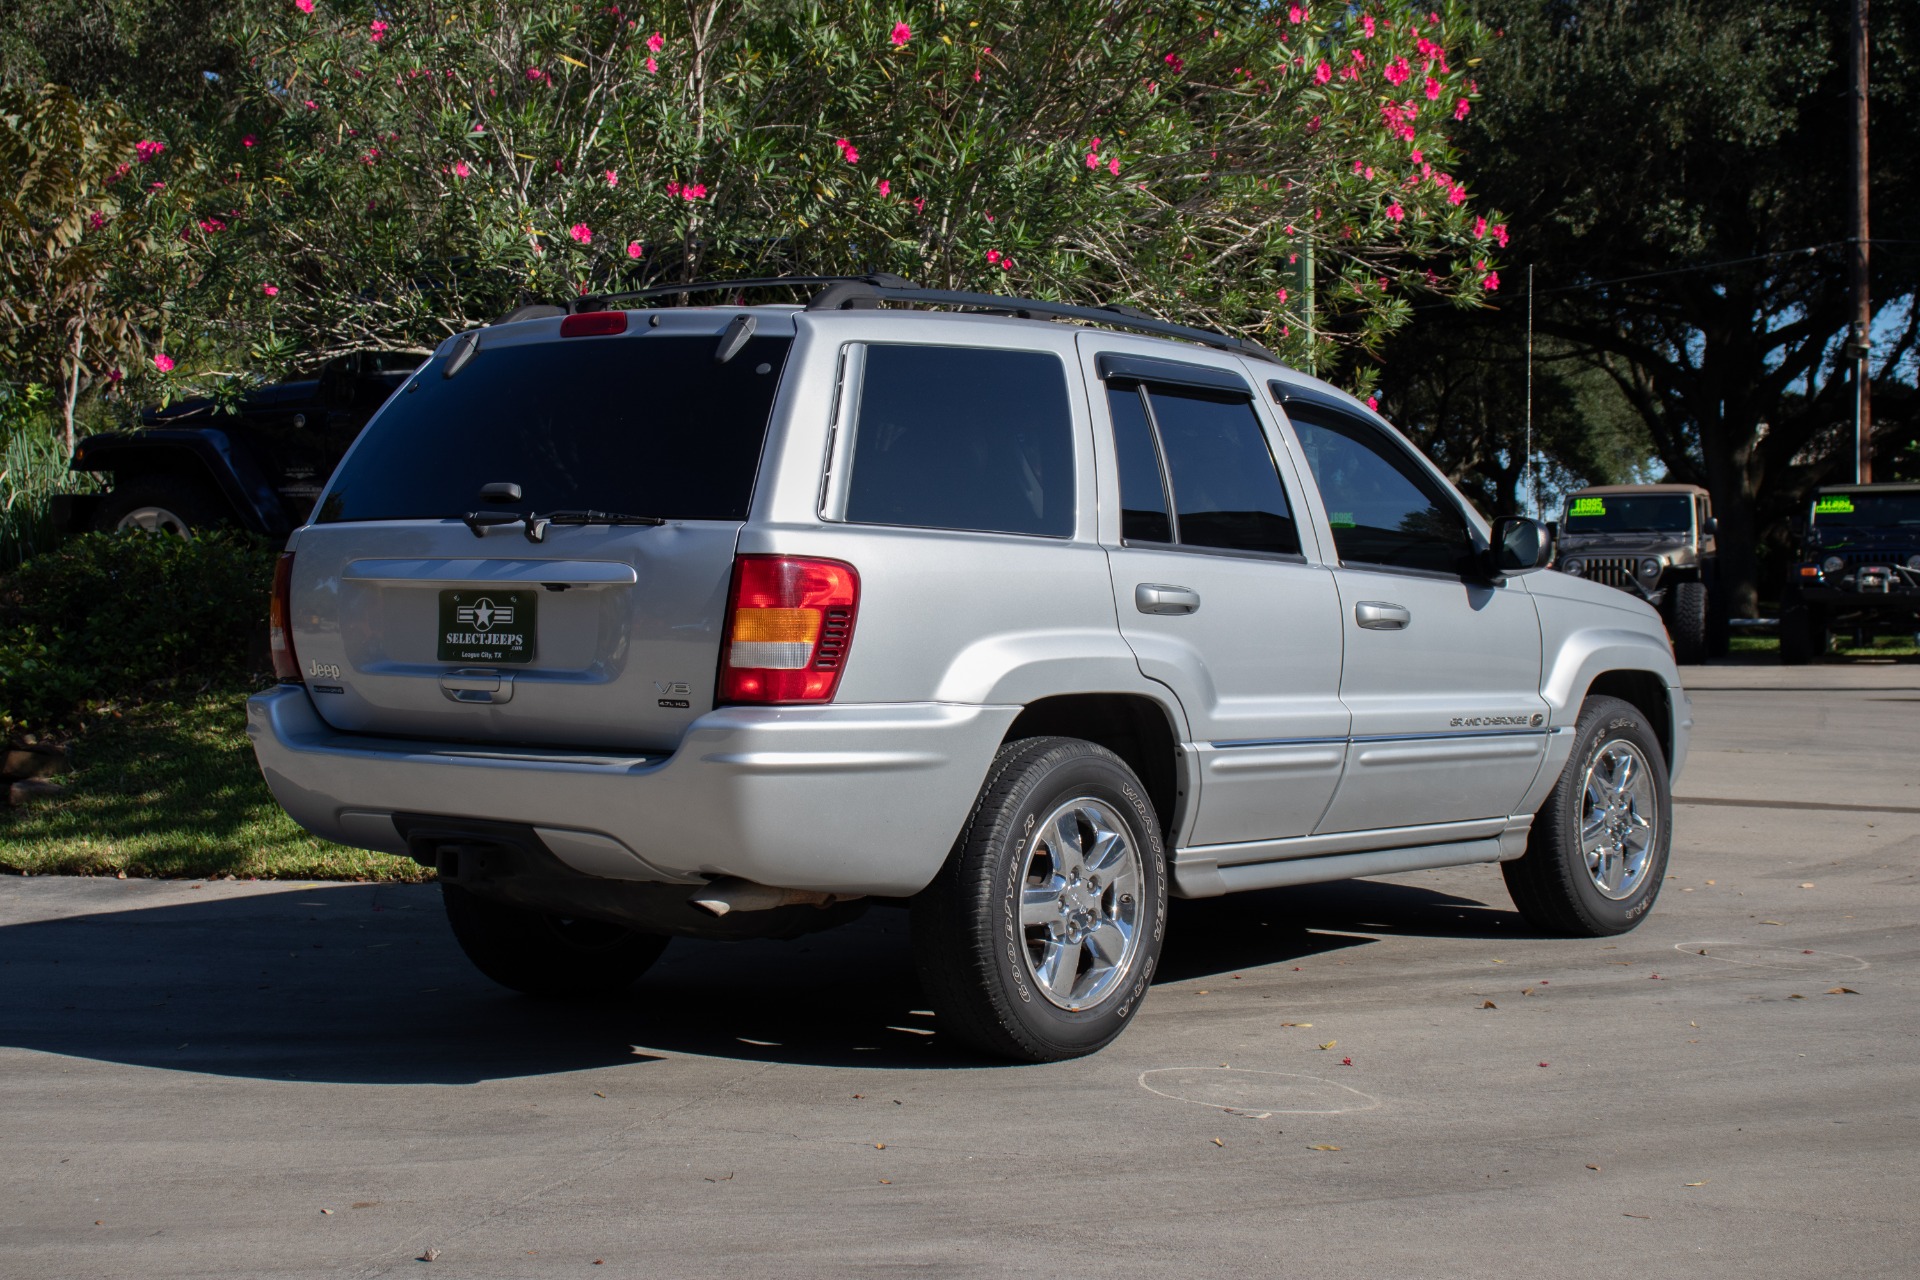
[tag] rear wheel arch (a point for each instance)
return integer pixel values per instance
(1647, 693)
(1132, 726)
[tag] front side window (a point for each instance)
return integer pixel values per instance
(963, 438)
(1211, 453)
(1384, 509)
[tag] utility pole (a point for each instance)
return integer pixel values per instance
(1860, 344)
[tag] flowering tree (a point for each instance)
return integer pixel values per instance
(397, 173)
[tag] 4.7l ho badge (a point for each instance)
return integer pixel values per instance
(487, 626)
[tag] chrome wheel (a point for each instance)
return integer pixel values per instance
(1619, 819)
(1080, 908)
(155, 520)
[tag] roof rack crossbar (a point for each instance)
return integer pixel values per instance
(843, 292)
(848, 293)
(596, 301)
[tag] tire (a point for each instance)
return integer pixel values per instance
(160, 504)
(548, 955)
(1005, 936)
(1687, 622)
(1558, 886)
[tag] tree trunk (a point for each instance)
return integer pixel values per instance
(73, 378)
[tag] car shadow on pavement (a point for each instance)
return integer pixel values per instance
(363, 984)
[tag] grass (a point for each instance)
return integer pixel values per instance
(1843, 646)
(170, 789)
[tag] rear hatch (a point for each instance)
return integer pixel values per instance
(422, 608)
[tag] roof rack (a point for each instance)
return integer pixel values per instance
(841, 293)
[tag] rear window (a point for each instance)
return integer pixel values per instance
(646, 425)
(963, 438)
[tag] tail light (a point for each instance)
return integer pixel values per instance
(286, 667)
(594, 324)
(789, 625)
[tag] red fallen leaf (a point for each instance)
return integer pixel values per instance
(1544, 1064)
(1806, 953)
(1346, 1062)
(1654, 977)
(1543, 982)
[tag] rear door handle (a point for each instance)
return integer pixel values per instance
(1158, 597)
(1378, 615)
(478, 686)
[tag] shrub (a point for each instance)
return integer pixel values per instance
(110, 616)
(33, 467)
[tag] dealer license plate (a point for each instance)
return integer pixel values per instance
(487, 626)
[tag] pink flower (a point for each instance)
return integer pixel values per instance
(311, 105)
(460, 169)
(1373, 403)
(163, 362)
(1174, 60)
(673, 188)
(1322, 73)
(304, 6)
(1457, 195)
(581, 233)
(696, 191)
(96, 220)
(1416, 157)
(976, 75)
(1433, 89)
(847, 151)
(271, 290)
(919, 204)
(886, 188)
(376, 30)
(156, 186)
(249, 142)
(653, 68)
(1492, 281)
(1113, 166)
(536, 75)
(633, 249)
(613, 177)
(1366, 25)
(656, 42)
(1296, 15)
(993, 255)
(148, 151)
(1280, 295)
(1500, 234)
(1006, 264)
(1093, 161)
(1397, 71)
(1460, 109)
(901, 34)
(1395, 212)
(114, 375)
(1479, 228)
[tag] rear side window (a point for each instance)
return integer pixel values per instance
(963, 438)
(647, 425)
(1226, 489)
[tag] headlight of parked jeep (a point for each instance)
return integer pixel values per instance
(1650, 568)
(1832, 564)
(1572, 567)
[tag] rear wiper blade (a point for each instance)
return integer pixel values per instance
(536, 526)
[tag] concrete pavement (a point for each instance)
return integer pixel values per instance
(281, 1080)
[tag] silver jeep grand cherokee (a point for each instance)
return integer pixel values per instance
(726, 622)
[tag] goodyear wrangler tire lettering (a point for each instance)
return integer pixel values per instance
(1039, 937)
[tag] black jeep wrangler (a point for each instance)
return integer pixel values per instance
(1656, 541)
(191, 465)
(1857, 569)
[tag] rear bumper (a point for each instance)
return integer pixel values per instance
(1836, 600)
(841, 799)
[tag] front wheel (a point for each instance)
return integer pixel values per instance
(547, 955)
(1598, 848)
(1040, 934)
(1687, 622)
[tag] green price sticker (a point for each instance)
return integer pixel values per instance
(1588, 507)
(1341, 519)
(1834, 504)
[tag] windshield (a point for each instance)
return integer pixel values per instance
(649, 425)
(1629, 513)
(1867, 510)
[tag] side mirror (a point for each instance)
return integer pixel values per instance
(1713, 525)
(1520, 545)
